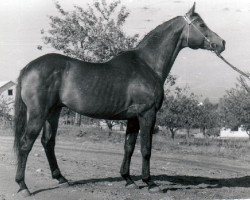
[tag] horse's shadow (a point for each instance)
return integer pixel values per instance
(180, 182)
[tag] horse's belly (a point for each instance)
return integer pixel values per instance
(111, 112)
(94, 103)
(109, 106)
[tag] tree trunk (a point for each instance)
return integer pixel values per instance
(204, 131)
(248, 133)
(67, 118)
(172, 133)
(121, 127)
(77, 119)
(110, 126)
(188, 135)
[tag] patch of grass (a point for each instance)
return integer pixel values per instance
(233, 148)
(91, 133)
(6, 128)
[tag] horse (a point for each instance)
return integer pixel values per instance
(127, 87)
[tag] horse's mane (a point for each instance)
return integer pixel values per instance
(159, 29)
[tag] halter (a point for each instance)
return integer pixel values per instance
(190, 22)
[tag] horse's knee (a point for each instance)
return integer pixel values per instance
(26, 144)
(47, 139)
(47, 142)
(146, 153)
(129, 148)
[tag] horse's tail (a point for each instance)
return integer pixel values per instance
(20, 115)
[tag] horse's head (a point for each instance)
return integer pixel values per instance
(196, 34)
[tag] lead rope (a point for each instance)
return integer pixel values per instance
(220, 56)
(233, 67)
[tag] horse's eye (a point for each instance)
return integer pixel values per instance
(202, 25)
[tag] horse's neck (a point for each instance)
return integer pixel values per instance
(161, 46)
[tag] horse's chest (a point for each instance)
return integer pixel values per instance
(146, 96)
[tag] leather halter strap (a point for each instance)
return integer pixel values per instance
(190, 22)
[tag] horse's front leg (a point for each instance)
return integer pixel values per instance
(130, 140)
(147, 123)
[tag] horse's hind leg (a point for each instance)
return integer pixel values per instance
(48, 142)
(34, 125)
(130, 140)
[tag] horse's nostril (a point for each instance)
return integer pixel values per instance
(213, 45)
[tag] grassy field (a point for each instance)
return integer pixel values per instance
(231, 148)
(197, 168)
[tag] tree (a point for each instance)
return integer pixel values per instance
(235, 108)
(169, 116)
(5, 110)
(93, 34)
(208, 117)
(179, 110)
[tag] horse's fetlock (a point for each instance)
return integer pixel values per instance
(56, 174)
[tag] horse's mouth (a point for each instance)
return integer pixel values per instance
(217, 52)
(214, 47)
(218, 49)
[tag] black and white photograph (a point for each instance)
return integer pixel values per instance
(124, 99)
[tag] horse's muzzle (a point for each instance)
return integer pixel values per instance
(218, 48)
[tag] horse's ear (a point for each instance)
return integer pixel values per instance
(192, 10)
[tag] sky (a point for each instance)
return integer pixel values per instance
(22, 20)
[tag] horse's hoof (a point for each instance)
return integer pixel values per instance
(63, 185)
(132, 186)
(154, 189)
(24, 193)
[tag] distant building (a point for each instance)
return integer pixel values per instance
(228, 133)
(7, 95)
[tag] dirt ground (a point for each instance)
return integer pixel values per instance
(93, 166)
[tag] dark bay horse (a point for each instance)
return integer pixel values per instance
(128, 87)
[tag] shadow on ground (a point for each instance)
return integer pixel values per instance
(182, 182)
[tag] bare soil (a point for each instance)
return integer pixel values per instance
(92, 165)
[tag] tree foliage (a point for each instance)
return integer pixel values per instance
(5, 109)
(179, 110)
(92, 34)
(235, 108)
(182, 110)
(208, 118)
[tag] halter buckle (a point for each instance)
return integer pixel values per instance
(188, 20)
